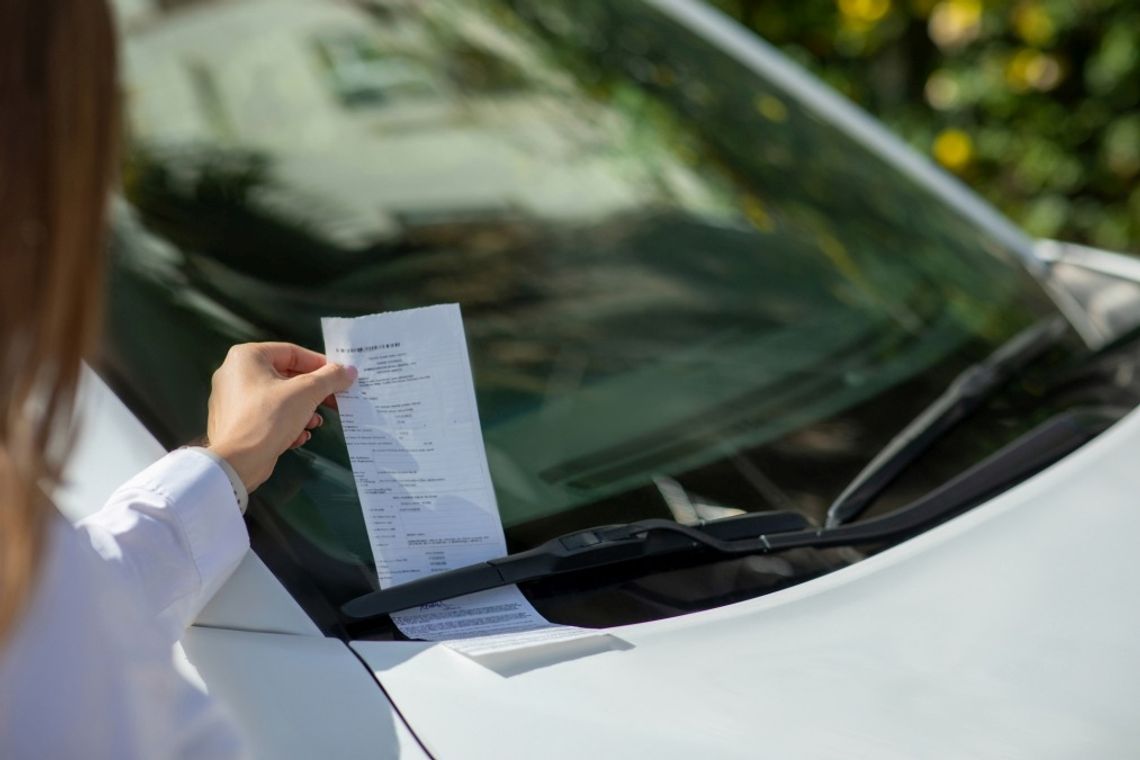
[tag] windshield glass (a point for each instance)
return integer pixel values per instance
(685, 294)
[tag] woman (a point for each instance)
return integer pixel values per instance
(89, 614)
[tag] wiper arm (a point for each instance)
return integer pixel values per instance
(968, 391)
(593, 547)
(754, 533)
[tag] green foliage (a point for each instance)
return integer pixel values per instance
(1034, 103)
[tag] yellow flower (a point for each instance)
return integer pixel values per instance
(1033, 23)
(864, 11)
(954, 149)
(954, 23)
(1032, 68)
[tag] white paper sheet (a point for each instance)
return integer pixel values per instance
(416, 448)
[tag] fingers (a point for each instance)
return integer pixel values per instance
(294, 361)
(326, 381)
(289, 359)
(306, 435)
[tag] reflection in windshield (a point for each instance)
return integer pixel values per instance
(668, 268)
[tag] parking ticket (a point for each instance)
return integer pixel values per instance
(416, 448)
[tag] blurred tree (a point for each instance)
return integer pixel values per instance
(1034, 103)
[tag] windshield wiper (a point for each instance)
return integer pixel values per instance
(754, 533)
(593, 547)
(965, 394)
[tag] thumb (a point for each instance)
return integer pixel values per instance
(327, 380)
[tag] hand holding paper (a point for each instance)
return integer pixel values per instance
(263, 402)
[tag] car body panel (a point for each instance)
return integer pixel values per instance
(298, 697)
(110, 447)
(253, 600)
(1006, 632)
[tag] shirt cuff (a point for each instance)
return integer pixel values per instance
(239, 489)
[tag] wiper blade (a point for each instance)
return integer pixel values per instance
(968, 391)
(590, 548)
(754, 533)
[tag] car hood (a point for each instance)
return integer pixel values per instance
(1010, 631)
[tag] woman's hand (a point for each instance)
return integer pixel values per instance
(263, 401)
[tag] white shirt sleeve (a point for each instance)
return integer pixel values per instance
(89, 671)
(174, 533)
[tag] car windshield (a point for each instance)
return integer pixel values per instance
(685, 293)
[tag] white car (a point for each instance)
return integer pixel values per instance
(876, 443)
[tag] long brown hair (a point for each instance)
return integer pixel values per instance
(58, 134)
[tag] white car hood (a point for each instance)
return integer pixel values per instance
(1010, 631)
